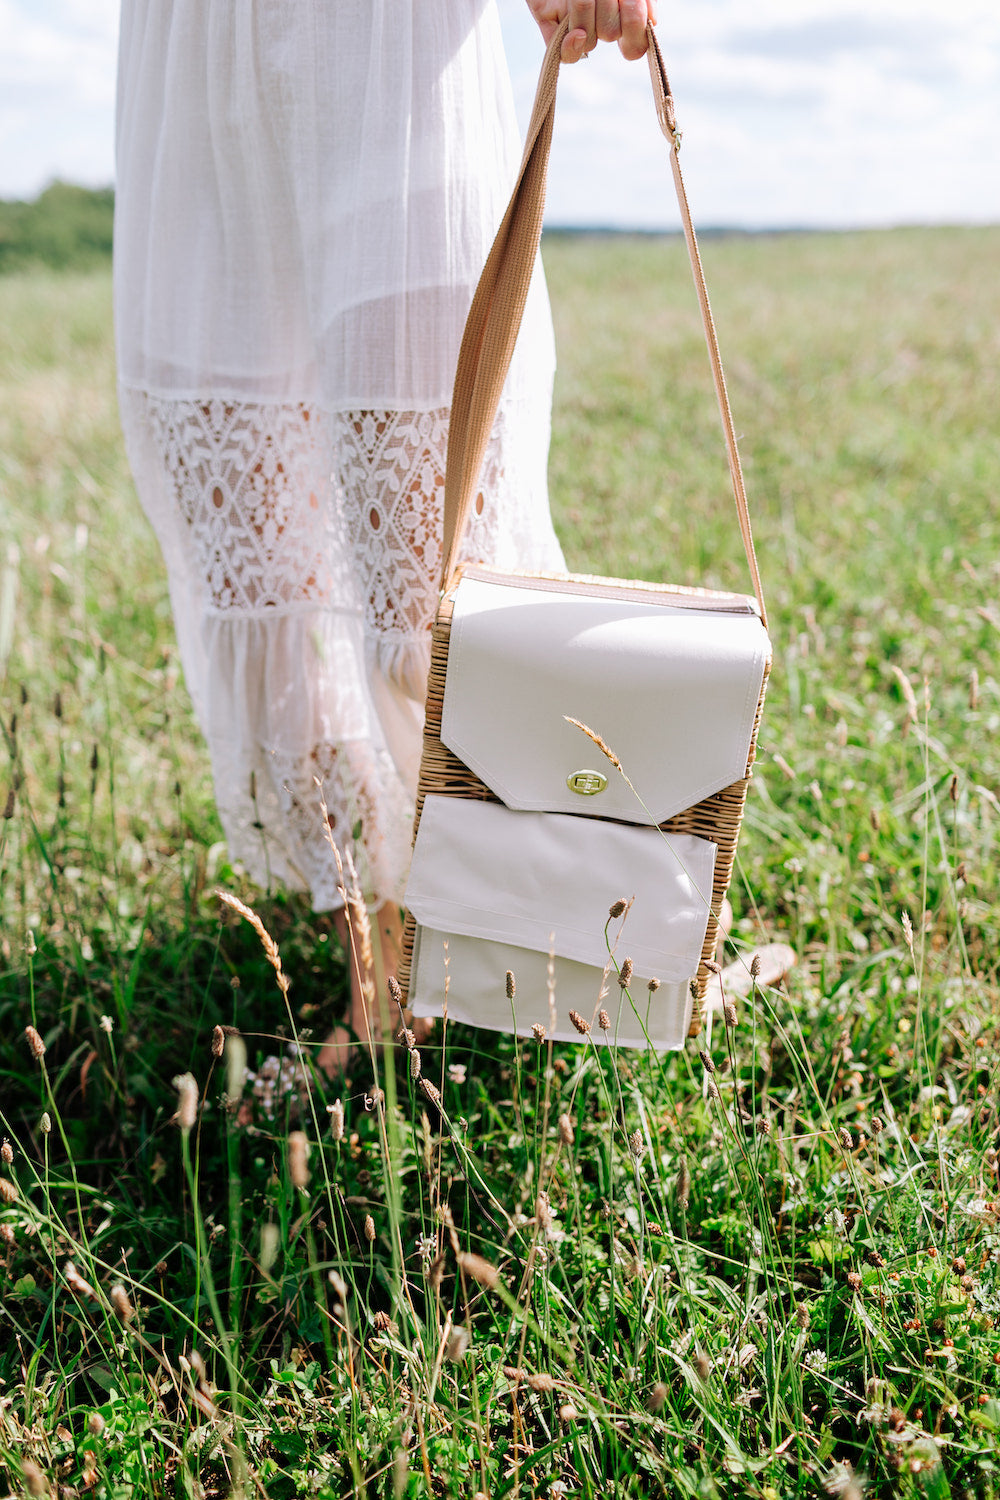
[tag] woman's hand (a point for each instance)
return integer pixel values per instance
(591, 21)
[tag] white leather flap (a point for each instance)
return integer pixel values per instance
(537, 881)
(672, 690)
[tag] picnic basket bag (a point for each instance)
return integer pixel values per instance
(586, 739)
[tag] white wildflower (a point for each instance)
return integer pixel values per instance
(835, 1221)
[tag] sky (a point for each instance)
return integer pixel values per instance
(804, 113)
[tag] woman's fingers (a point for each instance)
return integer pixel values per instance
(574, 46)
(609, 21)
(591, 21)
(632, 18)
(583, 17)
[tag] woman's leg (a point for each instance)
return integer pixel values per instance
(390, 482)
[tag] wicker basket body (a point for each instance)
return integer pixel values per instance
(716, 818)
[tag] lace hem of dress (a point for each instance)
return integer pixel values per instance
(303, 552)
(285, 840)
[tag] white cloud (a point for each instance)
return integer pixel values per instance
(793, 111)
(57, 86)
(805, 112)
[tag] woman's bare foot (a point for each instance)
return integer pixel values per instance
(725, 926)
(773, 962)
(338, 1053)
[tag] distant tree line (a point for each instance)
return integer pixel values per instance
(65, 227)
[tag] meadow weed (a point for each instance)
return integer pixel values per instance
(487, 1265)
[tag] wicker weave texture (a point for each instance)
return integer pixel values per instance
(717, 818)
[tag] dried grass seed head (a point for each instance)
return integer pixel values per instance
(6, 1153)
(267, 942)
(906, 688)
(35, 1044)
(538, 1032)
(270, 1244)
(338, 1283)
(120, 1302)
(479, 1268)
(625, 974)
(582, 1026)
(566, 1130)
(707, 1062)
(76, 1283)
(595, 739)
(457, 1345)
(656, 1397)
(369, 1229)
(683, 1183)
(236, 1065)
(511, 985)
(8, 1192)
(618, 908)
(35, 1481)
(187, 1100)
(603, 1020)
(298, 1159)
(218, 1041)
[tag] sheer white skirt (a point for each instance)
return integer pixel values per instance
(306, 193)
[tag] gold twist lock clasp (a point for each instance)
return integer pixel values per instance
(587, 783)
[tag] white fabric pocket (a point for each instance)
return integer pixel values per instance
(493, 889)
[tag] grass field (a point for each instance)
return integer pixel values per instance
(576, 1274)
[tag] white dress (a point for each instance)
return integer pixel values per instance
(307, 190)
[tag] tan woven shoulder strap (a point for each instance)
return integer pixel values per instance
(498, 305)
